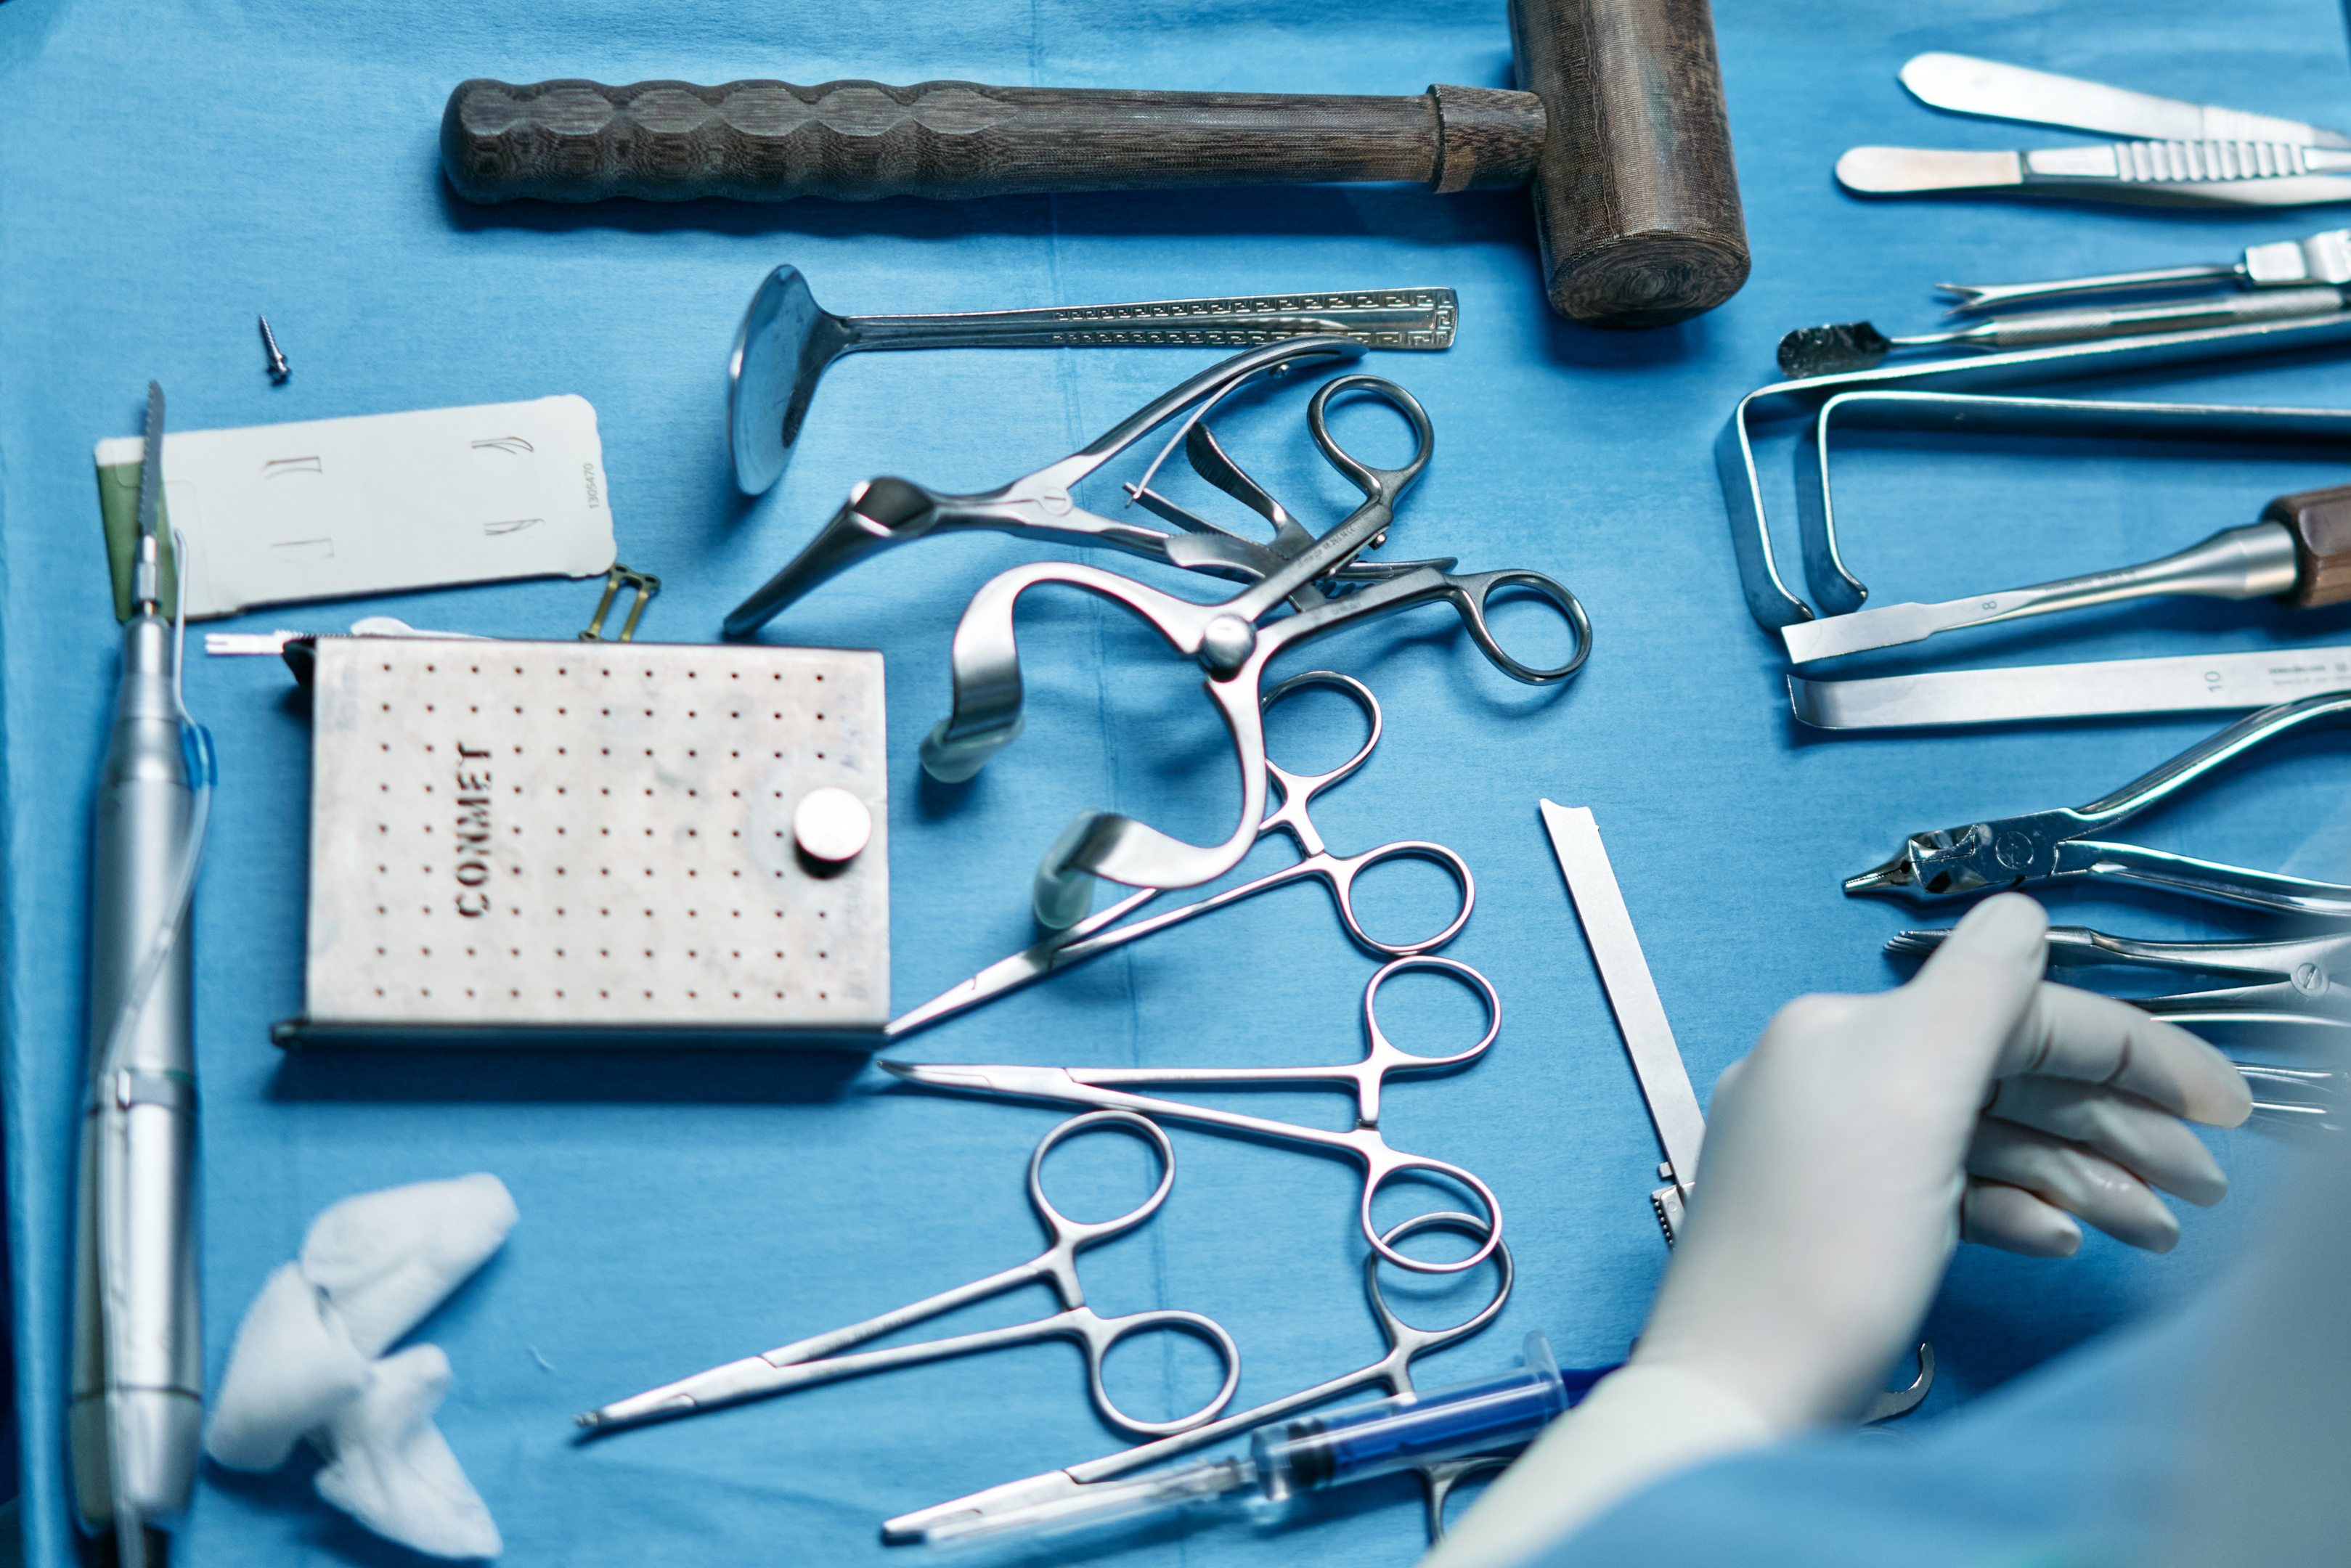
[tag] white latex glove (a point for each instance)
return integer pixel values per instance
(1844, 1160)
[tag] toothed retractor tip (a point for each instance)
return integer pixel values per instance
(1833, 349)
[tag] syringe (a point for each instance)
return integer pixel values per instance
(1311, 1453)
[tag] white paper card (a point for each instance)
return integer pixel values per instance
(330, 508)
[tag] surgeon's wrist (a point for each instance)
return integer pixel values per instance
(1637, 1425)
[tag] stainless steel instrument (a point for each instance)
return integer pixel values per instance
(2184, 683)
(2300, 982)
(2155, 173)
(883, 513)
(1392, 1372)
(815, 1360)
(2182, 155)
(1858, 345)
(2003, 852)
(2290, 264)
(138, 1345)
(1633, 995)
(1965, 84)
(787, 340)
(1103, 1088)
(1100, 932)
(1300, 570)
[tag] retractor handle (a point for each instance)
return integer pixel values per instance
(2320, 521)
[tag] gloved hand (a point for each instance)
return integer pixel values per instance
(1844, 1160)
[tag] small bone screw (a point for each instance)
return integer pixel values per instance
(278, 370)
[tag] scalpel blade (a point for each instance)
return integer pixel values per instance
(2190, 684)
(1967, 85)
(1633, 994)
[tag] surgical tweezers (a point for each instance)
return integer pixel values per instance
(2047, 846)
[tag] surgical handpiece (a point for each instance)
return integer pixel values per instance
(138, 1349)
(1311, 1453)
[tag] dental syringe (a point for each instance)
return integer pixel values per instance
(1312, 1453)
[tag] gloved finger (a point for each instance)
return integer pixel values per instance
(2152, 1145)
(2075, 1179)
(2072, 1033)
(1978, 984)
(1994, 1214)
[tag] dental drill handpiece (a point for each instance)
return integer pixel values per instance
(134, 1420)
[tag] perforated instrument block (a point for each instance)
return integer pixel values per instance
(573, 842)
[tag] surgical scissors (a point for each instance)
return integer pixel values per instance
(2048, 846)
(812, 1361)
(1100, 1087)
(883, 512)
(1392, 1372)
(1099, 933)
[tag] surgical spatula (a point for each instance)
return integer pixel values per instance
(2300, 552)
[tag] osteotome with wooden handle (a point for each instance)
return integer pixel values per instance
(1619, 127)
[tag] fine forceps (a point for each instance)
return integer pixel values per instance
(812, 1361)
(1227, 641)
(2304, 980)
(1100, 1087)
(2047, 846)
(883, 512)
(1392, 1372)
(1099, 933)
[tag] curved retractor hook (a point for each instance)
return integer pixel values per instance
(889, 511)
(986, 663)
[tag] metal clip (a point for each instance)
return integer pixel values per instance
(646, 585)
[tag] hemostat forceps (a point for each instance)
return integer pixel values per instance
(1099, 933)
(2046, 846)
(1103, 1087)
(2305, 980)
(813, 1360)
(880, 513)
(1392, 1372)
(1229, 644)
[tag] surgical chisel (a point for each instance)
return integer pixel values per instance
(2300, 552)
(1640, 1015)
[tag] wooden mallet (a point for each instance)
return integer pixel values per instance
(1620, 129)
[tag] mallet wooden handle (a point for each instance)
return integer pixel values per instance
(858, 141)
